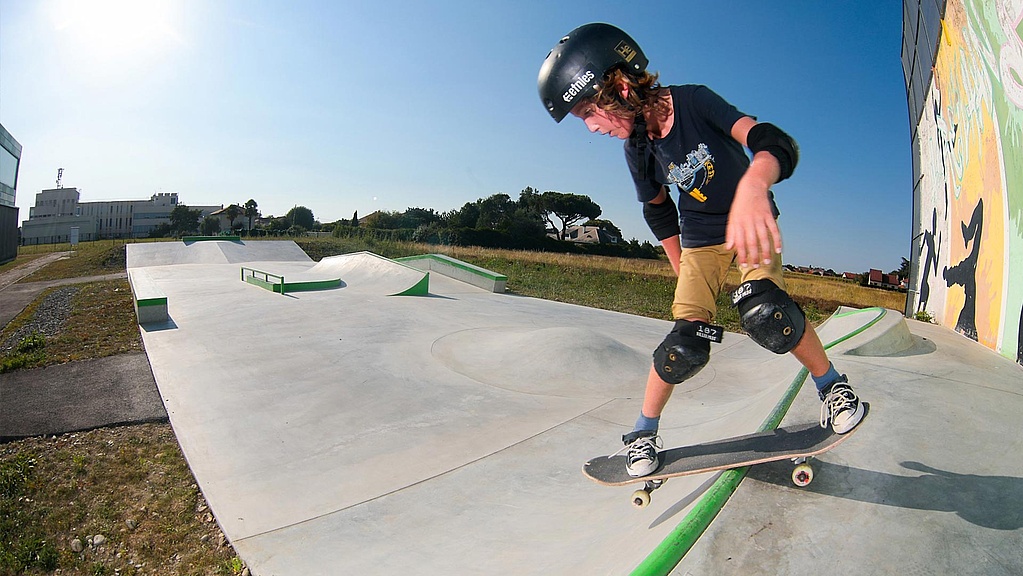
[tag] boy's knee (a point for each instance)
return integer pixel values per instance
(685, 350)
(769, 315)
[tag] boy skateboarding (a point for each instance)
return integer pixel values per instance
(689, 139)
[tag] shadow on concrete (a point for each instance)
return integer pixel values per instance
(987, 501)
(159, 326)
(684, 503)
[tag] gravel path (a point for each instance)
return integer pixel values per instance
(48, 319)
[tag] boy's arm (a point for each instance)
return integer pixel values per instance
(752, 229)
(661, 215)
(673, 250)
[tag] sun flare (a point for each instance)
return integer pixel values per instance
(115, 29)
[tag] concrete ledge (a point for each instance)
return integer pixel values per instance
(150, 301)
(191, 239)
(462, 271)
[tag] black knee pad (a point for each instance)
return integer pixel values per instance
(769, 315)
(685, 350)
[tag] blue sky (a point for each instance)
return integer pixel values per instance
(385, 105)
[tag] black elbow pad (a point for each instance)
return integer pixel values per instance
(769, 138)
(662, 218)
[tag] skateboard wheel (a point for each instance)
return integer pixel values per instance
(640, 498)
(802, 475)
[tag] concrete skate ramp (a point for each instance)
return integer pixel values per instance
(146, 254)
(441, 435)
(357, 273)
(368, 272)
(561, 360)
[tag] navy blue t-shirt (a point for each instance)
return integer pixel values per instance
(702, 159)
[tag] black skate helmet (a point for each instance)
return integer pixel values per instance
(575, 67)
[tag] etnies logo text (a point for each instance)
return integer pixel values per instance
(578, 85)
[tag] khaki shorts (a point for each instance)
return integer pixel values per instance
(701, 277)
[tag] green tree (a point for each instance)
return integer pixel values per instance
(495, 212)
(233, 212)
(387, 220)
(568, 208)
(161, 231)
(251, 211)
(278, 225)
(184, 221)
(301, 216)
(465, 217)
(531, 201)
(416, 217)
(210, 226)
(903, 270)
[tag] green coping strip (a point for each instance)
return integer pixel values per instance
(190, 239)
(672, 549)
(152, 302)
(476, 270)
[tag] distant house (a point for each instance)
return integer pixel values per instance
(240, 221)
(878, 279)
(874, 277)
(588, 235)
(851, 276)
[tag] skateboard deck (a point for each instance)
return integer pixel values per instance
(795, 443)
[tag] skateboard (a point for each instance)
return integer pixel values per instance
(797, 443)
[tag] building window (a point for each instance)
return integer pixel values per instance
(8, 168)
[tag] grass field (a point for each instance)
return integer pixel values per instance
(131, 484)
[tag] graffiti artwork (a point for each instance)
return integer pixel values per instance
(969, 201)
(965, 273)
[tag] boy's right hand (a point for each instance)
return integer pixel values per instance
(752, 229)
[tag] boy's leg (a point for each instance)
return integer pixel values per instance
(841, 407)
(657, 394)
(701, 276)
(642, 443)
(810, 353)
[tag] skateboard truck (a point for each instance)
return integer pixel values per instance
(802, 475)
(641, 497)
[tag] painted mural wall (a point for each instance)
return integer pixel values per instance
(968, 237)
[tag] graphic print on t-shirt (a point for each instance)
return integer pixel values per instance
(695, 173)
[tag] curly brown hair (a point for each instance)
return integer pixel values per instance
(644, 94)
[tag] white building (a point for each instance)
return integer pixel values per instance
(54, 215)
(58, 210)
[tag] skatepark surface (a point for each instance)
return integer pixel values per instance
(349, 431)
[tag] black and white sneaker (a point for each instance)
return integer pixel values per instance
(841, 408)
(641, 452)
